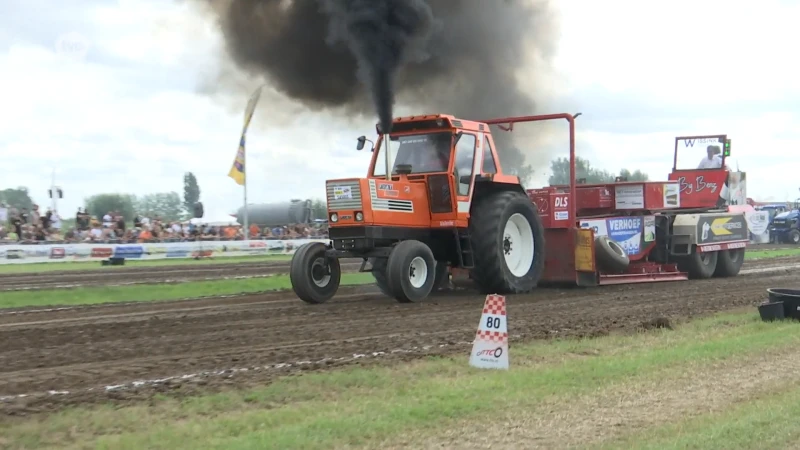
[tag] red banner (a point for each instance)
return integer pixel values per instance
(700, 188)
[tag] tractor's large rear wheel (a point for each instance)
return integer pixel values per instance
(410, 271)
(699, 265)
(315, 277)
(508, 243)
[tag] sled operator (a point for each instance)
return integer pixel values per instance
(712, 160)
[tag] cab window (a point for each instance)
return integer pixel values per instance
(488, 159)
(465, 159)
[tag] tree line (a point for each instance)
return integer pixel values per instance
(170, 206)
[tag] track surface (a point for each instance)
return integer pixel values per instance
(151, 275)
(146, 275)
(84, 349)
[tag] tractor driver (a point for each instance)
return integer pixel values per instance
(712, 159)
(434, 156)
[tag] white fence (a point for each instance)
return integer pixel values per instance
(22, 254)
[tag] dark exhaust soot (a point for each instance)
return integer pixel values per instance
(461, 57)
(379, 33)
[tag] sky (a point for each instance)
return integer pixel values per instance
(109, 95)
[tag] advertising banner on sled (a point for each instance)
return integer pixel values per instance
(632, 233)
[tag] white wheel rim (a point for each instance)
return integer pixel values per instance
(321, 282)
(518, 245)
(418, 272)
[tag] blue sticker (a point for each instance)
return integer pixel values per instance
(627, 232)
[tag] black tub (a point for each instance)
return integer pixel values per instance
(790, 299)
(771, 311)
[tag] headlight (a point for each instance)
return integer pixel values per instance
(334, 217)
(359, 217)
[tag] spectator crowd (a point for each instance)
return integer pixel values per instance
(32, 227)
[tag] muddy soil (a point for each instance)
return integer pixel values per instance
(127, 352)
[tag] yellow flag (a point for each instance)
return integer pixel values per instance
(237, 171)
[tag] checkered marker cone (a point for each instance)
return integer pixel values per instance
(490, 348)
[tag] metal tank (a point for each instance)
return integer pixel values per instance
(275, 214)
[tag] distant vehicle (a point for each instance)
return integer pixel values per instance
(785, 226)
(277, 214)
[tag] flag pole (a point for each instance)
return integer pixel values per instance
(246, 213)
(239, 169)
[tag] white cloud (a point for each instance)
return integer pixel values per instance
(125, 115)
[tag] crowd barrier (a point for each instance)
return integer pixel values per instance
(50, 252)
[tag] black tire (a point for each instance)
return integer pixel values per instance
(399, 271)
(729, 262)
(611, 257)
(487, 230)
(440, 283)
(379, 273)
(699, 265)
(794, 237)
(309, 269)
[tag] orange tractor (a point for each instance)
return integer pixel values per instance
(436, 200)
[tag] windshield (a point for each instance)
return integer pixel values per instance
(425, 153)
(699, 153)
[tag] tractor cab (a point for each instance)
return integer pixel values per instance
(433, 163)
(704, 180)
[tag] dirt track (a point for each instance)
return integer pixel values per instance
(145, 275)
(83, 350)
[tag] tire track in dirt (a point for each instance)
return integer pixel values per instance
(146, 341)
(145, 275)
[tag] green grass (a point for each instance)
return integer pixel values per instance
(777, 253)
(770, 422)
(156, 292)
(95, 265)
(409, 404)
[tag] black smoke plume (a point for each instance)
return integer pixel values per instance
(460, 57)
(378, 33)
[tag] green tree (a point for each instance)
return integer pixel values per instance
(583, 169)
(319, 209)
(100, 204)
(166, 205)
(513, 162)
(636, 175)
(191, 192)
(16, 198)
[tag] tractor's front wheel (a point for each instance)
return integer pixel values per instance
(410, 271)
(315, 277)
(508, 243)
(440, 282)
